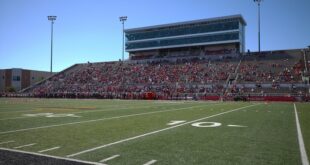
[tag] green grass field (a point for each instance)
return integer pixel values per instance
(156, 132)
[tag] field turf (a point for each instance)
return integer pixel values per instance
(118, 132)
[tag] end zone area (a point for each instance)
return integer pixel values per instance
(154, 132)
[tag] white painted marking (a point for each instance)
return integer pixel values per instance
(54, 157)
(236, 126)
(174, 122)
(37, 114)
(170, 102)
(27, 145)
(95, 120)
(157, 131)
(150, 162)
(42, 108)
(11, 141)
(49, 149)
(51, 115)
(87, 111)
(84, 111)
(113, 109)
(303, 152)
(62, 115)
(109, 158)
(206, 124)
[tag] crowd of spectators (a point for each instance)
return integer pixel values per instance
(273, 71)
(169, 79)
(271, 74)
(163, 78)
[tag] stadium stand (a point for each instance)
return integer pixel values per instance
(201, 60)
(266, 74)
(117, 79)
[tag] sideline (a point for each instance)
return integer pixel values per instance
(303, 153)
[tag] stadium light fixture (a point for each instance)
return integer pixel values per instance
(258, 3)
(123, 19)
(52, 19)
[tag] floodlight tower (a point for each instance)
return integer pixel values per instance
(308, 83)
(308, 51)
(123, 19)
(258, 3)
(52, 19)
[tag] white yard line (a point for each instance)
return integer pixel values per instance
(236, 126)
(150, 162)
(11, 141)
(27, 145)
(115, 109)
(155, 132)
(95, 120)
(109, 158)
(49, 149)
(303, 153)
(54, 157)
(89, 111)
(39, 109)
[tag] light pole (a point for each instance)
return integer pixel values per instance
(307, 72)
(123, 19)
(52, 19)
(258, 3)
(307, 53)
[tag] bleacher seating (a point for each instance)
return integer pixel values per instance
(269, 72)
(163, 78)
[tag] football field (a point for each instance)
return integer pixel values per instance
(119, 132)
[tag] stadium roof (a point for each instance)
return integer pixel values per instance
(238, 16)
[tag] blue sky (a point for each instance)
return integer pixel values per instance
(89, 30)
